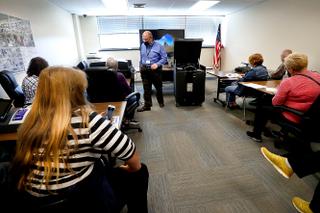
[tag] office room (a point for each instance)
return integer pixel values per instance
(160, 106)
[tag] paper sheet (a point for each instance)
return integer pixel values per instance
(255, 86)
(271, 89)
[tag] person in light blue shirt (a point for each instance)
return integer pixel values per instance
(152, 57)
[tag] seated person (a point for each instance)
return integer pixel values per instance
(112, 65)
(297, 92)
(281, 70)
(30, 82)
(62, 143)
(257, 73)
(303, 165)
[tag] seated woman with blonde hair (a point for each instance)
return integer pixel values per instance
(61, 151)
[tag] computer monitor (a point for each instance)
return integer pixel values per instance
(165, 37)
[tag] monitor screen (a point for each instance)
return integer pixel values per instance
(165, 38)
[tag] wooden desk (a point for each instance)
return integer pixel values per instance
(99, 107)
(223, 81)
(266, 84)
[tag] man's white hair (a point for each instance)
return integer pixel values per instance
(112, 64)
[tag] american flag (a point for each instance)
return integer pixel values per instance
(217, 53)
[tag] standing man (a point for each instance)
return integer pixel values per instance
(281, 70)
(152, 57)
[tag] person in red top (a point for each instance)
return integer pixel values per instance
(297, 92)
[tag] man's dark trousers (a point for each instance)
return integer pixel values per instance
(150, 77)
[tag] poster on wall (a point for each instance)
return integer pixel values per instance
(17, 46)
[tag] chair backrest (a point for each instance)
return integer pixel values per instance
(11, 87)
(133, 102)
(125, 67)
(83, 65)
(98, 64)
(103, 85)
(310, 120)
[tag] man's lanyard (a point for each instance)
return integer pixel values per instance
(149, 50)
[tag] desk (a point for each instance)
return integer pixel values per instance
(120, 108)
(265, 85)
(99, 107)
(223, 81)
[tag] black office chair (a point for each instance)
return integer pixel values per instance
(306, 131)
(11, 87)
(98, 64)
(103, 85)
(133, 102)
(83, 65)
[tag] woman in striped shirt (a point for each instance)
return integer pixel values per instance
(61, 144)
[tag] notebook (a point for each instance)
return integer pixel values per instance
(19, 116)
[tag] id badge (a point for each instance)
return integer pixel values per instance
(148, 62)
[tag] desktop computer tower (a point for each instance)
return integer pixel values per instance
(189, 75)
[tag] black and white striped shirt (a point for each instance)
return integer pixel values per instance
(99, 138)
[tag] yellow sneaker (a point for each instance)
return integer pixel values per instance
(278, 162)
(302, 206)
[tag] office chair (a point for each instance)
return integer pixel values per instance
(11, 87)
(133, 102)
(306, 131)
(98, 64)
(103, 85)
(83, 65)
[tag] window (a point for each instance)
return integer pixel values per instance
(164, 22)
(122, 32)
(119, 32)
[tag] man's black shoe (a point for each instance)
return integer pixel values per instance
(254, 136)
(143, 108)
(161, 105)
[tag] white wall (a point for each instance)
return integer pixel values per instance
(52, 29)
(269, 28)
(89, 30)
(91, 44)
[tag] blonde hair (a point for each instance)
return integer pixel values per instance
(43, 135)
(256, 59)
(296, 62)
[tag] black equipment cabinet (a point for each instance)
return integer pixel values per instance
(189, 75)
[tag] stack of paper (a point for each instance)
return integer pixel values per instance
(233, 75)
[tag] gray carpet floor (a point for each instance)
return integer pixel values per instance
(200, 160)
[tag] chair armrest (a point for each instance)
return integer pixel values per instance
(283, 108)
(137, 94)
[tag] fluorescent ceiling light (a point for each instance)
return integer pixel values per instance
(203, 5)
(116, 5)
